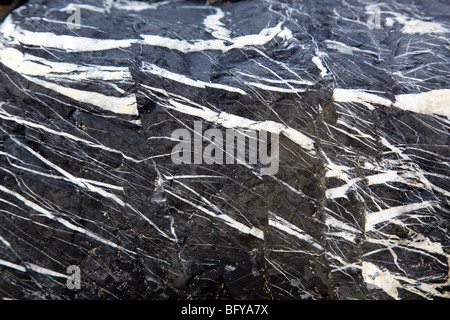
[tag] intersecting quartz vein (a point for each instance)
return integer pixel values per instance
(358, 209)
(86, 185)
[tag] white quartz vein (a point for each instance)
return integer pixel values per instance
(359, 96)
(33, 267)
(153, 69)
(224, 218)
(430, 102)
(375, 218)
(6, 116)
(86, 185)
(215, 26)
(121, 105)
(31, 67)
(62, 221)
(228, 120)
(265, 35)
(14, 34)
(289, 228)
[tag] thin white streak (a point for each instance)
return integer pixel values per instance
(77, 25)
(6, 243)
(86, 185)
(354, 128)
(279, 81)
(153, 69)
(168, 178)
(272, 88)
(7, 116)
(332, 222)
(85, 7)
(33, 267)
(12, 265)
(98, 183)
(62, 221)
(36, 66)
(223, 217)
(343, 48)
(289, 228)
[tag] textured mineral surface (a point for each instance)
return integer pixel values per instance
(93, 205)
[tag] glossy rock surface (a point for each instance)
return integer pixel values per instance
(91, 92)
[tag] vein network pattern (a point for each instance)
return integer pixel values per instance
(91, 92)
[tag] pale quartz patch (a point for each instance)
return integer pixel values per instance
(381, 279)
(215, 26)
(431, 102)
(337, 171)
(318, 62)
(137, 6)
(332, 222)
(382, 178)
(419, 26)
(286, 34)
(359, 96)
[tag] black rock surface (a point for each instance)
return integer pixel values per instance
(91, 92)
